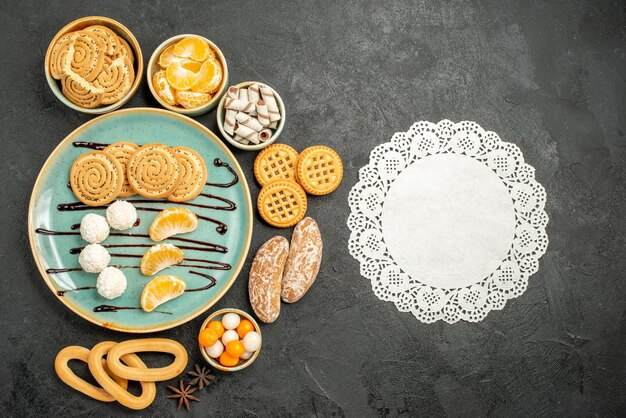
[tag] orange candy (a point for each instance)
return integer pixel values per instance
(217, 327)
(227, 360)
(235, 348)
(244, 327)
(207, 337)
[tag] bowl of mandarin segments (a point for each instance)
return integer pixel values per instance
(134, 69)
(187, 74)
(218, 332)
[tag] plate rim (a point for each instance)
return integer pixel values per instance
(50, 160)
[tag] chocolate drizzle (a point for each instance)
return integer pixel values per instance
(206, 276)
(219, 163)
(76, 289)
(209, 248)
(90, 145)
(111, 308)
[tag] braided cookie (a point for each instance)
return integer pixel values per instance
(96, 178)
(193, 174)
(122, 151)
(88, 58)
(116, 80)
(69, 377)
(61, 55)
(278, 161)
(153, 171)
(148, 388)
(282, 203)
(319, 170)
(81, 92)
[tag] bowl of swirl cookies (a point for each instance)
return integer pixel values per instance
(94, 65)
(187, 74)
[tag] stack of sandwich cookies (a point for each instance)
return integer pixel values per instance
(286, 175)
(123, 169)
(94, 65)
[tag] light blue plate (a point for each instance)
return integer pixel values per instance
(141, 126)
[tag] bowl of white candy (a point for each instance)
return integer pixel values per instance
(251, 115)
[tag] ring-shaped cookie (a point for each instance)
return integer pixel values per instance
(68, 377)
(156, 345)
(148, 388)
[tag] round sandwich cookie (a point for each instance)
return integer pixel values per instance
(319, 170)
(276, 162)
(282, 203)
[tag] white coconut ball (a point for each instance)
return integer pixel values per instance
(111, 283)
(94, 258)
(121, 215)
(94, 228)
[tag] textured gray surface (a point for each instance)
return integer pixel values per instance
(547, 75)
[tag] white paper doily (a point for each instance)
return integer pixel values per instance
(447, 221)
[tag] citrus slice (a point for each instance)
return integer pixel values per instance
(208, 78)
(192, 99)
(193, 47)
(167, 57)
(160, 256)
(160, 290)
(179, 77)
(162, 88)
(191, 65)
(172, 221)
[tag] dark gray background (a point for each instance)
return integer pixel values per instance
(546, 75)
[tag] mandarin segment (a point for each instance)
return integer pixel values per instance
(159, 257)
(193, 47)
(172, 221)
(160, 290)
(163, 89)
(167, 57)
(209, 77)
(179, 77)
(192, 99)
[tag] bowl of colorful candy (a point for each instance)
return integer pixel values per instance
(230, 340)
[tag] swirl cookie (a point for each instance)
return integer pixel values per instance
(79, 91)
(88, 58)
(276, 162)
(193, 174)
(96, 178)
(153, 171)
(282, 203)
(61, 55)
(122, 151)
(319, 170)
(116, 80)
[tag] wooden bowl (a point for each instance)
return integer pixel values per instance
(217, 315)
(121, 31)
(153, 67)
(221, 114)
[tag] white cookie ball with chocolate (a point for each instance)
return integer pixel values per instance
(94, 228)
(121, 215)
(94, 258)
(111, 283)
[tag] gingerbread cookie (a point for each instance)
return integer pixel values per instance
(193, 174)
(319, 170)
(122, 151)
(276, 162)
(96, 178)
(153, 171)
(282, 203)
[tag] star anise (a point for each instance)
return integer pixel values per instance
(201, 377)
(184, 394)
